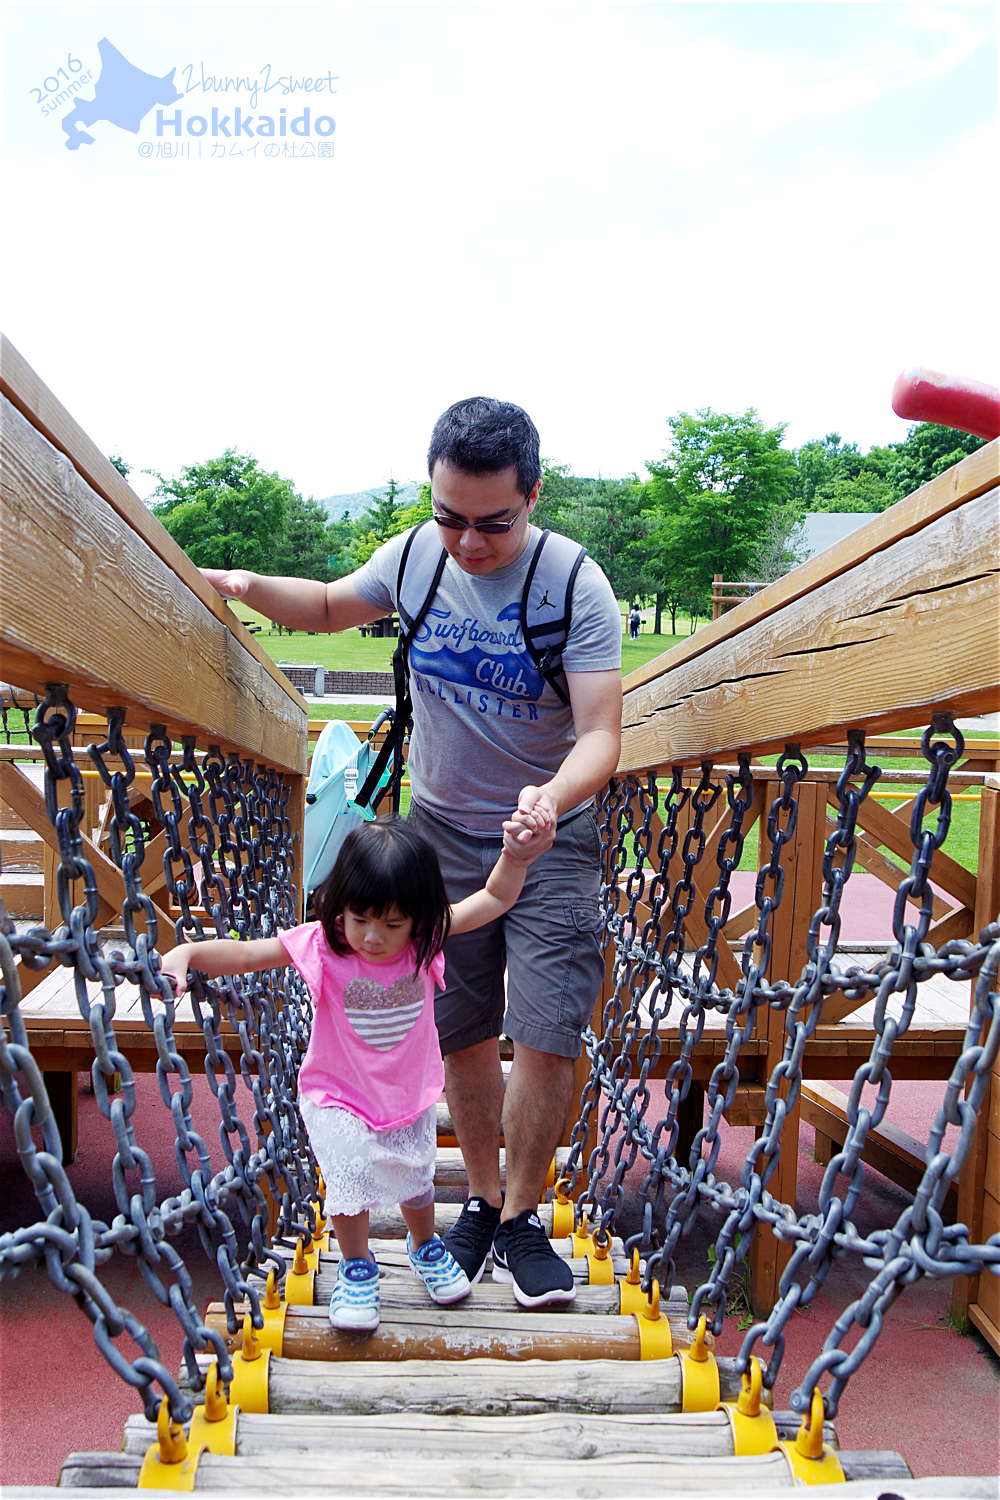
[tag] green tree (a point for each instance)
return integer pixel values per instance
(722, 476)
(561, 503)
(676, 585)
(305, 544)
(837, 476)
(340, 540)
(387, 518)
(927, 451)
(225, 513)
(614, 524)
(119, 463)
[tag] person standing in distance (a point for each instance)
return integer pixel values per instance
(492, 738)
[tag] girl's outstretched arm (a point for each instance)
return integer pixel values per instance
(502, 888)
(222, 956)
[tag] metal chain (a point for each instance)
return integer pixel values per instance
(919, 1244)
(244, 849)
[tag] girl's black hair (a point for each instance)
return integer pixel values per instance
(382, 865)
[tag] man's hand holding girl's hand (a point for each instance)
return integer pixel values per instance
(531, 829)
(231, 583)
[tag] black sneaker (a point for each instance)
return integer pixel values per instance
(522, 1254)
(471, 1238)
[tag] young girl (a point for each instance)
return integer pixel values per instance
(372, 1072)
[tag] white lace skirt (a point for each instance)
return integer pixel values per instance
(365, 1168)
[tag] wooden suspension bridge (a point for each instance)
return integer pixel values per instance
(894, 625)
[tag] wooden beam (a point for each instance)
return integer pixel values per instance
(973, 476)
(33, 399)
(876, 648)
(871, 858)
(889, 1150)
(887, 829)
(87, 601)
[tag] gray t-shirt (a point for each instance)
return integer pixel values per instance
(485, 722)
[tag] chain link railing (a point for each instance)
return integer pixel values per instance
(651, 974)
(239, 831)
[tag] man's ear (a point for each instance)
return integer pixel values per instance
(533, 497)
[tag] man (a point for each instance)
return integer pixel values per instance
(492, 738)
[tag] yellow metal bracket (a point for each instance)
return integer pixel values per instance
(563, 1212)
(583, 1239)
(810, 1459)
(655, 1341)
(550, 1176)
(171, 1463)
(300, 1279)
(753, 1426)
(699, 1373)
(320, 1241)
(601, 1267)
(633, 1298)
(272, 1335)
(251, 1369)
(213, 1425)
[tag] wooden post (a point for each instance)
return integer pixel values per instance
(296, 813)
(802, 863)
(978, 1187)
(716, 601)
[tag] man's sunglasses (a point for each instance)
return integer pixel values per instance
(485, 528)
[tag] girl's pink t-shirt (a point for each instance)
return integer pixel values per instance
(374, 1046)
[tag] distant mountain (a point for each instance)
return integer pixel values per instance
(362, 500)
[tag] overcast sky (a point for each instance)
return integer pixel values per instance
(607, 213)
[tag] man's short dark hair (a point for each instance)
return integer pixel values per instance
(483, 436)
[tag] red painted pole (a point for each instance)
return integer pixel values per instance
(928, 396)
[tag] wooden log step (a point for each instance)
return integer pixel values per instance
(387, 1224)
(406, 1436)
(554, 1478)
(431, 1332)
(479, 1387)
(400, 1288)
(450, 1171)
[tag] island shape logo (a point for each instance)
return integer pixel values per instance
(123, 95)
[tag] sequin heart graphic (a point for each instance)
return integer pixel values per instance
(382, 1016)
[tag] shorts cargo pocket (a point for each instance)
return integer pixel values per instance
(584, 969)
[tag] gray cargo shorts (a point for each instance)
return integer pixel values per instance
(549, 942)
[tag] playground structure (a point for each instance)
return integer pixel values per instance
(744, 1013)
(723, 602)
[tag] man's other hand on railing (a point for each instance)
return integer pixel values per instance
(231, 583)
(299, 603)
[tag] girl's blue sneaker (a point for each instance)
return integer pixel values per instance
(439, 1271)
(354, 1304)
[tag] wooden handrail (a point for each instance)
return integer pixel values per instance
(893, 624)
(98, 595)
(973, 476)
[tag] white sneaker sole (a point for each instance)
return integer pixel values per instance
(344, 1327)
(450, 1300)
(557, 1294)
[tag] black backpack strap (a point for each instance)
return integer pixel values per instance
(545, 642)
(403, 717)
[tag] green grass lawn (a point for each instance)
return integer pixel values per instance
(350, 651)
